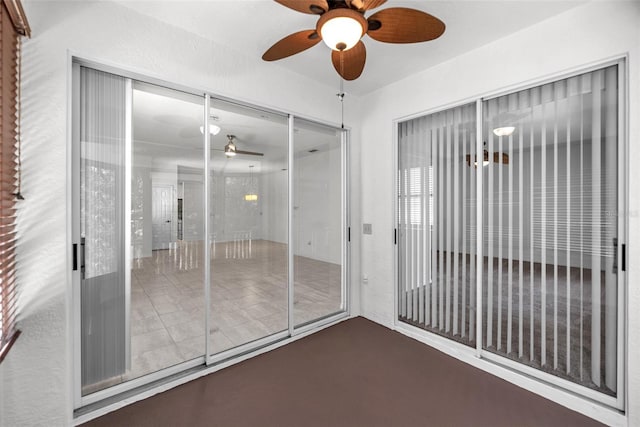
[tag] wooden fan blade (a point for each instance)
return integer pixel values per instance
(249, 153)
(292, 44)
(350, 63)
(314, 7)
(404, 25)
(363, 5)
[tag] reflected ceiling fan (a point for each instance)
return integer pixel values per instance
(342, 25)
(230, 149)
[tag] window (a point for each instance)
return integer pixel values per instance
(13, 25)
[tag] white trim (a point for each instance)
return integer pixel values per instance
(479, 227)
(247, 347)
(128, 142)
(129, 385)
(205, 371)
(466, 354)
(529, 371)
(206, 267)
(323, 321)
(623, 229)
(394, 215)
(73, 233)
(346, 221)
(290, 234)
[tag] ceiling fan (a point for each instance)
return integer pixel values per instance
(230, 149)
(342, 25)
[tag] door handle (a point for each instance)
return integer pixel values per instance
(168, 220)
(82, 269)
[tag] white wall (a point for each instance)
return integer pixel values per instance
(35, 378)
(275, 200)
(317, 221)
(317, 201)
(589, 33)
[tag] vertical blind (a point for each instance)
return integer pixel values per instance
(551, 227)
(13, 24)
(436, 205)
(102, 227)
(549, 167)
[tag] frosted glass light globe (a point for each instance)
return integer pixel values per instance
(213, 129)
(341, 33)
(504, 131)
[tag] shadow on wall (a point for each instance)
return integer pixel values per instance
(42, 213)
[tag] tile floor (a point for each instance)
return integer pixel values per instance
(248, 300)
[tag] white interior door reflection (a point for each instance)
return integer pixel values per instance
(162, 216)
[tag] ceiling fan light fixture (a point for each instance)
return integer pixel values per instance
(213, 129)
(341, 29)
(504, 131)
(230, 149)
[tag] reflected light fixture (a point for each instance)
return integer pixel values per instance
(504, 131)
(213, 129)
(342, 28)
(251, 196)
(498, 158)
(230, 148)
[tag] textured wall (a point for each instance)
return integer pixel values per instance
(35, 379)
(589, 33)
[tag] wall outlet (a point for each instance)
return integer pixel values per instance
(367, 229)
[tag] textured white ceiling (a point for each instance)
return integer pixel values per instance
(252, 27)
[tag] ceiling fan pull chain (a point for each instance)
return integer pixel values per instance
(341, 94)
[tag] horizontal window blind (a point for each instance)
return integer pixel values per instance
(12, 24)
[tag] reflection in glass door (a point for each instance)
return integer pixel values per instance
(167, 272)
(317, 222)
(172, 263)
(247, 225)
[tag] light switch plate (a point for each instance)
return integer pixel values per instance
(367, 229)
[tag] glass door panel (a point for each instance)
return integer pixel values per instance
(104, 334)
(248, 220)
(167, 229)
(317, 222)
(551, 223)
(437, 168)
(142, 304)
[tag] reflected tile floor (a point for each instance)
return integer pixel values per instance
(248, 300)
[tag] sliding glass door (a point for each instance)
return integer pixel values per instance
(318, 223)
(141, 290)
(196, 222)
(546, 169)
(248, 220)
